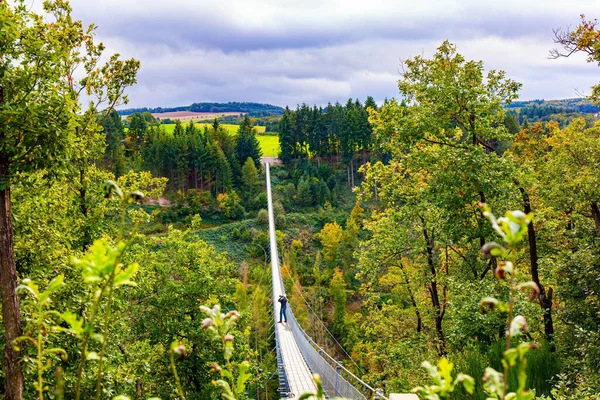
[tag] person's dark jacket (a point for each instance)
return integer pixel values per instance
(283, 302)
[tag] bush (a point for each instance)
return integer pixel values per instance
(262, 217)
(280, 173)
(280, 221)
(331, 182)
(237, 212)
(257, 202)
(305, 194)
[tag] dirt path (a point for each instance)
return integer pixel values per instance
(271, 160)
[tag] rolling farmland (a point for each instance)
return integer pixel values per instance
(186, 116)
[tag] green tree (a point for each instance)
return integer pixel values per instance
(337, 289)
(250, 177)
(304, 194)
(331, 237)
(286, 141)
(114, 134)
(584, 38)
(39, 107)
(444, 162)
(247, 144)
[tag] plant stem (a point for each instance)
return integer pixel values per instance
(84, 343)
(109, 295)
(95, 307)
(40, 361)
(105, 331)
(177, 380)
(509, 318)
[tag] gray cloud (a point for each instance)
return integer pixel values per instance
(315, 51)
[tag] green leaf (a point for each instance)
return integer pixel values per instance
(493, 382)
(467, 381)
(123, 277)
(75, 323)
(111, 187)
(511, 356)
(52, 287)
(57, 350)
(29, 286)
(243, 377)
(433, 372)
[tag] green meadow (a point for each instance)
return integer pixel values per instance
(269, 145)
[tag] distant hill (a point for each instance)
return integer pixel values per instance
(579, 105)
(557, 110)
(253, 109)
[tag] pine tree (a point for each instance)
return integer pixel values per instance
(247, 144)
(113, 135)
(286, 142)
(250, 178)
(370, 103)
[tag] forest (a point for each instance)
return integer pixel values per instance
(436, 244)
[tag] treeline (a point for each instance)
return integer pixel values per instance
(257, 109)
(204, 159)
(270, 122)
(336, 134)
(562, 111)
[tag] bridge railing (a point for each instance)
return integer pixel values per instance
(337, 380)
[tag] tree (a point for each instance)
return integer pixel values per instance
(331, 237)
(304, 194)
(247, 143)
(337, 289)
(444, 162)
(39, 107)
(286, 142)
(568, 201)
(114, 134)
(585, 38)
(250, 176)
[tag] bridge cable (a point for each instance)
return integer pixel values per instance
(327, 330)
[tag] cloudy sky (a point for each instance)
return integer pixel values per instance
(287, 52)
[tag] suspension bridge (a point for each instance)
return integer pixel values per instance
(298, 356)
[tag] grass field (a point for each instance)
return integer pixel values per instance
(268, 143)
(231, 129)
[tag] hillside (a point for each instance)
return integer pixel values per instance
(253, 109)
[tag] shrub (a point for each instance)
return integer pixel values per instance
(262, 217)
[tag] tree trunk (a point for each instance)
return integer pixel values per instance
(138, 389)
(376, 194)
(412, 298)
(438, 314)
(11, 313)
(87, 237)
(544, 298)
(352, 170)
(348, 173)
(596, 216)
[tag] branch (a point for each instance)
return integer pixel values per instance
(444, 143)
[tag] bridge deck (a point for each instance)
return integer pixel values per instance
(299, 376)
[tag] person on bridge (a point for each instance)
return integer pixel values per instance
(283, 301)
